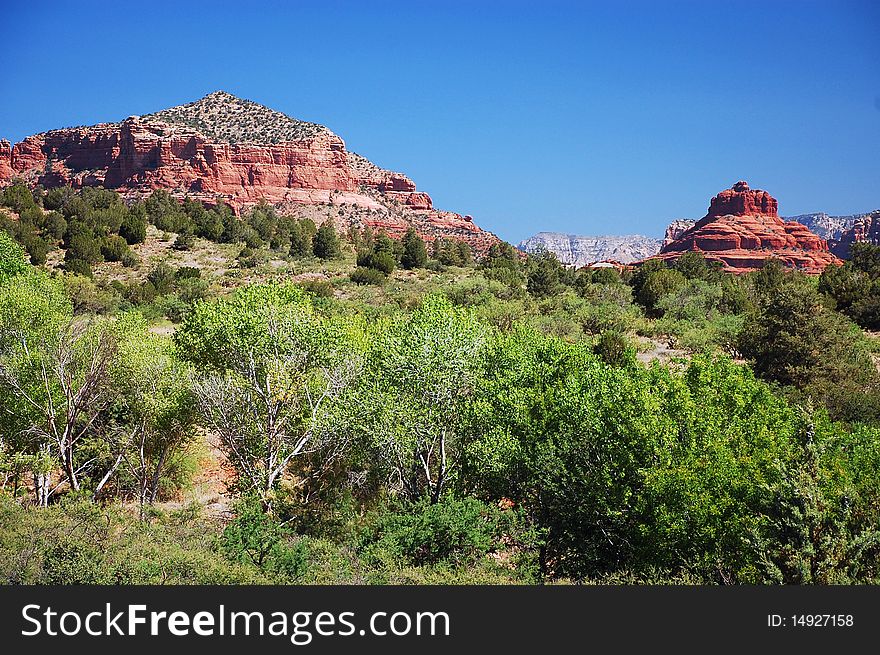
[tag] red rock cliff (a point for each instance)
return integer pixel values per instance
(742, 229)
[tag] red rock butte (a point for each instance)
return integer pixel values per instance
(742, 229)
(224, 149)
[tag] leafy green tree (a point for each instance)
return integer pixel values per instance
(82, 252)
(165, 212)
(422, 369)
(604, 275)
(415, 254)
(655, 286)
(54, 371)
(695, 266)
(300, 241)
(855, 286)
(153, 414)
(271, 371)
(792, 338)
(12, 257)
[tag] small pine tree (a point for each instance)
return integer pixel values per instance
(300, 241)
(326, 242)
(415, 254)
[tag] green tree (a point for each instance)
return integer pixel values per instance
(13, 260)
(153, 415)
(54, 371)
(415, 254)
(134, 226)
(300, 241)
(325, 243)
(422, 371)
(657, 284)
(544, 274)
(271, 370)
(792, 338)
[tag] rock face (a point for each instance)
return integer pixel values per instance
(742, 229)
(578, 251)
(865, 229)
(676, 228)
(223, 149)
(839, 231)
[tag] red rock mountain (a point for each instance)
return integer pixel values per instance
(224, 149)
(742, 229)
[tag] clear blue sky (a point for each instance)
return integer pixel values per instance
(589, 118)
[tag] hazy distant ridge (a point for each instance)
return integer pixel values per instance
(574, 250)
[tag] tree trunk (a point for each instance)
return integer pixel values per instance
(157, 474)
(69, 469)
(41, 489)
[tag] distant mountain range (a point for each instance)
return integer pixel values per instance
(579, 251)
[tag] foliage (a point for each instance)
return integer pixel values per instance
(792, 338)
(450, 530)
(364, 275)
(271, 371)
(325, 243)
(415, 254)
(421, 370)
(12, 257)
(451, 425)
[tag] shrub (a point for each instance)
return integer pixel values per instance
(613, 348)
(134, 226)
(257, 538)
(161, 277)
(380, 261)
(78, 266)
(415, 254)
(184, 241)
(656, 286)
(317, 288)
(114, 249)
(451, 530)
(12, 257)
(364, 275)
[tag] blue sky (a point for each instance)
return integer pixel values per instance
(588, 118)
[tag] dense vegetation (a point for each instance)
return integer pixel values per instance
(405, 417)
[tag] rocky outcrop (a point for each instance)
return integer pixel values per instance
(865, 229)
(740, 200)
(223, 149)
(676, 228)
(578, 251)
(6, 171)
(742, 229)
(839, 231)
